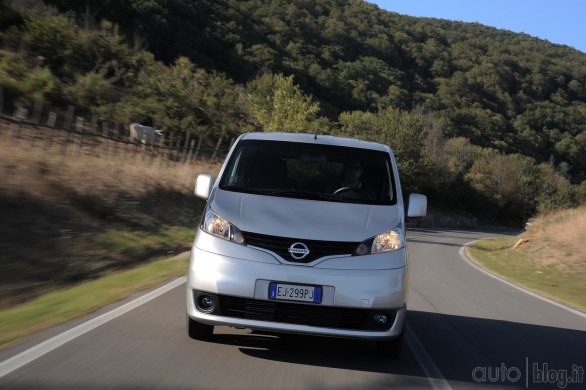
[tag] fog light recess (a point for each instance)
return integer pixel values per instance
(205, 302)
(380, 320)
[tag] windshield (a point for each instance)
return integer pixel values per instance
(310, 171)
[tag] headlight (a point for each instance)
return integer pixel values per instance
(219, 227)
(389, 241)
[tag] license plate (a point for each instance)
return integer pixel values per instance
(295, 292)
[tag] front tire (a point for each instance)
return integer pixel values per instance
(198, 331)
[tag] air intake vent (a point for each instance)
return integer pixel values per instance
(317, 249)
(301, 314)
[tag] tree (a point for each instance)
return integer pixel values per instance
(275, 103)
(511, 181)
(27, 82)
(183, 98)
(51, 38)
(92, 91)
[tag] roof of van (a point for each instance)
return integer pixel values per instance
(316, 139)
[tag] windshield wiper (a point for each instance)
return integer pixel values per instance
(248, 190)
(240, 189)
(304, 195)
(287, 193)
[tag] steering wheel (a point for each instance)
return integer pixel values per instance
(353, 193)
(341, 190)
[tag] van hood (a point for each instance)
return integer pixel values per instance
(304, 219)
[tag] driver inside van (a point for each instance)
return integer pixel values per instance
(350, 179)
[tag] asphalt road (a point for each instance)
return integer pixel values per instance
(465, 329)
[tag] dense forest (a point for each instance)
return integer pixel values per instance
(487, 122)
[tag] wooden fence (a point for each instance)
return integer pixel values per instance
(68, 133)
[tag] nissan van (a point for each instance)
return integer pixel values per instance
(303, 234)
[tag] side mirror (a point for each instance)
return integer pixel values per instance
(203, 185)
(417, 206)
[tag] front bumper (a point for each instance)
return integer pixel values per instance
(368, 290)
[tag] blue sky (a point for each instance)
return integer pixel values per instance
(561, 21)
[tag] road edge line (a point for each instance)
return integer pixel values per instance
(431, 371)
(23, 358)
(465, 257)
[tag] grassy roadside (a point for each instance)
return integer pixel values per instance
(72, 214)
(59, 306)
(548, 259)
(85, 226)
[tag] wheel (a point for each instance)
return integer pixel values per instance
(390, 348)
(197, 330)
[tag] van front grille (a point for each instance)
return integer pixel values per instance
(317, 249)
(302, 314)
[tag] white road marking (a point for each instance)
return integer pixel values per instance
(557, 304)
(433, 374)
(33, 353)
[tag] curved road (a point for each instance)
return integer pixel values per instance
(465, 329)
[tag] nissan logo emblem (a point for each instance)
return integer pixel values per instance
(298, 250)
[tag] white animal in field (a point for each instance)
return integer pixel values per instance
(144, 134)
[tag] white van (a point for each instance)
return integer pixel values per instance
(303, 234)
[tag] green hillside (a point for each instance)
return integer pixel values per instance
(487, 122)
